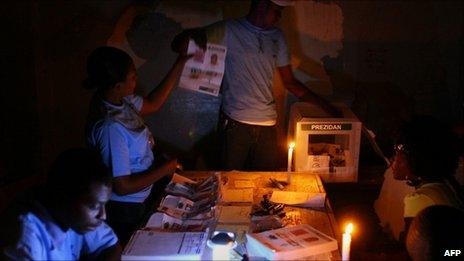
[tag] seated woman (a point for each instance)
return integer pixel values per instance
(116, 129)
(434, 231)
(65, 219)
(427, 157)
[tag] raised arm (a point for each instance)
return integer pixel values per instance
(304, 94)
(156, 98)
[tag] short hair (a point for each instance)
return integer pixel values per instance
(433, 231)
(74, 171)
(106, 66)
(430, 146)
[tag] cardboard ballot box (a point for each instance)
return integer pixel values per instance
(325, 146)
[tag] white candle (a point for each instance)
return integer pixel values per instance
(346, 243)
(291, 146)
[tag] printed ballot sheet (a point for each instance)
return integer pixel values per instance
(205, 70)
(182, 245)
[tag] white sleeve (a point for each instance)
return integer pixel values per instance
(98, 240)
(30, 245)
(414, 203)
(114, 149)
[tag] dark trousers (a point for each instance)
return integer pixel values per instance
(124, 218)
(247, 147)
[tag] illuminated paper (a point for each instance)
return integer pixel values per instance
(146, 245)
(301, 199)
(237, 195)
(204, 72)
(235, 214)
(290, 243)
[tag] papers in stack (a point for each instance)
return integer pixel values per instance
(300, 199)
(187, 188)
(183, 208)
(289, 243)
(159, 245)
(163, 221)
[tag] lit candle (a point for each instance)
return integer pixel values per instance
(347, 242)
(291, 146)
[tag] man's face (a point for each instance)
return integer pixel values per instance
(273, 14)
(87, 212)
(400, 167)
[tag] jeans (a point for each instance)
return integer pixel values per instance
(247, 147)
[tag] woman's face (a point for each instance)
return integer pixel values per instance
(128, 86)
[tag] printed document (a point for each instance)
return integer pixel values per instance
(205, 70)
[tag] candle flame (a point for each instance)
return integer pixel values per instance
(349, 228)
(291, 145)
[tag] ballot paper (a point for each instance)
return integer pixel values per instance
(300, 199)
(234, 214)
(183, 208)
(161, 245)
(319, 164)
(237, 195)
(195, 191)
(290, 243)
(204, 72)
(161, 220)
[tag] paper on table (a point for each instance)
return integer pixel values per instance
(235, 214)
(145, 245)
(244, 184)
(302, 199)
(237, 195)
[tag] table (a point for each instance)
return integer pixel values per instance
(320, 218)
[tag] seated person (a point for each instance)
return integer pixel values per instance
(426, 156)
(435, 230)
(64, 220)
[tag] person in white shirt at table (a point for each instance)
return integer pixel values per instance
(64, 220)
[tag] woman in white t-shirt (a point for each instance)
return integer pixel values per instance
(427, 157)
(117, 130)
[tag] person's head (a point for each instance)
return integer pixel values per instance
(435, 230)
(111, 69)
(266, 13)
(78, 187)
(425, 150)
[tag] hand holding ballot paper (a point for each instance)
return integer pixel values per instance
(205, 71)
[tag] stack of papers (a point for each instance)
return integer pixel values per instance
(187, 188)
(163, 221)
(145, 245)
(289, 243)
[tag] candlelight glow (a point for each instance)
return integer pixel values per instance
(291, 145)
(349, 228)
